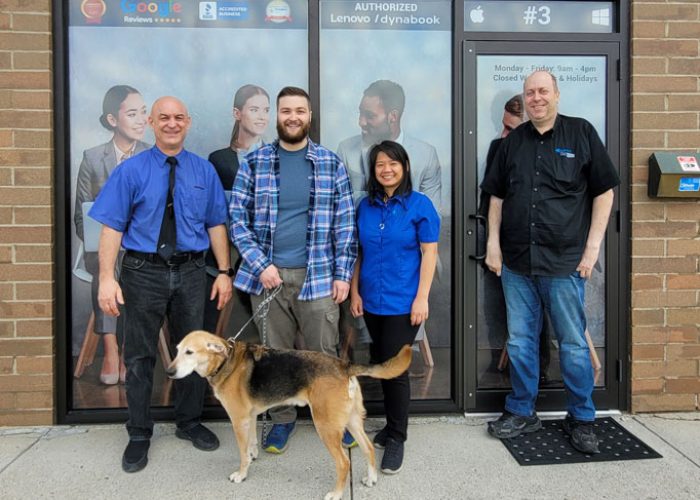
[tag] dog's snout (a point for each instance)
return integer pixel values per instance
(171, 371)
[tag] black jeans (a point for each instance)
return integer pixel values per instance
(389, 334)
(153, 291)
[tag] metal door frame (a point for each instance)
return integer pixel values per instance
(613, 395)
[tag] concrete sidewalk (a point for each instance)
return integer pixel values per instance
(446, 457)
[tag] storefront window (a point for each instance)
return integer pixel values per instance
(124, 55)
(386, 73)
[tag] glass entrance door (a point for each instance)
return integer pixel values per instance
(494, 73)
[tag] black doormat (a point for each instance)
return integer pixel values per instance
(551, 445)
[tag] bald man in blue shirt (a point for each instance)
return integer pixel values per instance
(164, 206)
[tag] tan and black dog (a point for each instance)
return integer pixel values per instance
(248, 379)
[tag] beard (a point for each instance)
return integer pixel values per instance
(376, 135)
(300, 136)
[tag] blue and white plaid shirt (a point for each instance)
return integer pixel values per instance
(331, 240)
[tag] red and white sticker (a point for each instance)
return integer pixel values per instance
(688, 163)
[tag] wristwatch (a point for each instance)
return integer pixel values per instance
(228, 272)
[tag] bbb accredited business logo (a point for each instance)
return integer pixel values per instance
(207, 11)
(223, 11)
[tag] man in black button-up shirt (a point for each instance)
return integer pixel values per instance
(551, 188)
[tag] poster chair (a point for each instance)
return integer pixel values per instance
(91, 340)
(424, 346)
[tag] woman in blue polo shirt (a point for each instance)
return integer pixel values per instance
(398, 231)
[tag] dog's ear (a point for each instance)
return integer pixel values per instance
(216, 347)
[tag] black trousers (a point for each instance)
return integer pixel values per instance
(153, 291)
(389, 334)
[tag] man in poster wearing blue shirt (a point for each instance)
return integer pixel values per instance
(164, 206)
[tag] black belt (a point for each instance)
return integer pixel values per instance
(175, 259)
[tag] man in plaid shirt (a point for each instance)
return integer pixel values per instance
(293, 222)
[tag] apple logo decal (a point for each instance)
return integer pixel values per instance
(477, 15)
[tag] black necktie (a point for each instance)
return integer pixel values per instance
(167, 240)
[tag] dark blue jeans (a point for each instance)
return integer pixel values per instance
(153, 291)
(563, 298)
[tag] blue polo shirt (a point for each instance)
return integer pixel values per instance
(134, 197)
(390, 235)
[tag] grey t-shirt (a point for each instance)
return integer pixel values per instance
(289, 240)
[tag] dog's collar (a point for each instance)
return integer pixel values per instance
(231, 344)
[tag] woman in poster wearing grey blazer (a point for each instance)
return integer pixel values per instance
(124, 114)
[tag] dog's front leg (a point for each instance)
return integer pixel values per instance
(241, 427)
(253, 438)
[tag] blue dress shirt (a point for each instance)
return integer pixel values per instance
(390, 235)
(134, 197)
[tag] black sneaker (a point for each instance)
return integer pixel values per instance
(135, 456)
(509, 425)
(392, 461)
(581, 434)
(380, 438)
(201, 437)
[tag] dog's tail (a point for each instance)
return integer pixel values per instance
(389, 369)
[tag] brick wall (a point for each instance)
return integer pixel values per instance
(26, 214)
(665, 239)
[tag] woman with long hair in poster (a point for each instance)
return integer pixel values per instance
(251, 116)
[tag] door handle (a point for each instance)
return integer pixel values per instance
(479, 219)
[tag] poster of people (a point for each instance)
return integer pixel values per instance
(227, 61)
(217, 57)
(386, 73)
(582, 83)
